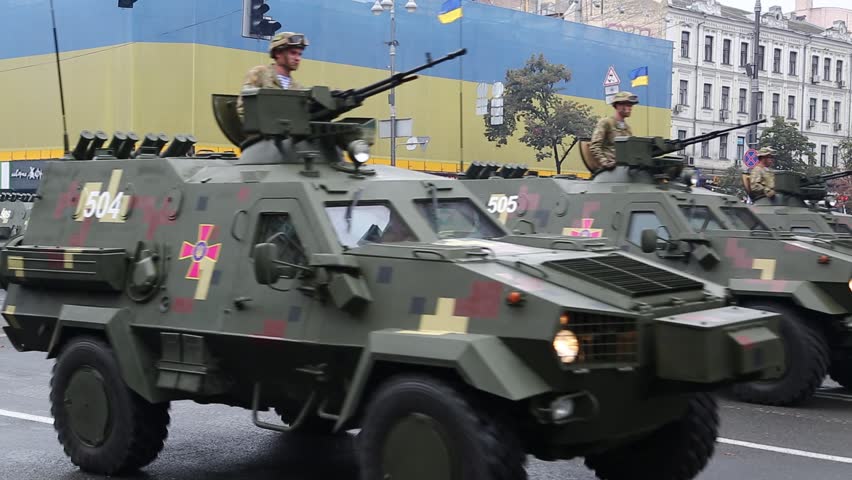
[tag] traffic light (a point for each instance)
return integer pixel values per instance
(255, 22)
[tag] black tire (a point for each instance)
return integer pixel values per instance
(677, 451)
(807, 357)
(474, 445)
(841, 371)
(133, 430)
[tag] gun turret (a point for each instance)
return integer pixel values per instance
(803, 187)
(643, 151)
(301, 114)
(820, 179)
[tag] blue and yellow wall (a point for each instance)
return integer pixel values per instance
(153, 68)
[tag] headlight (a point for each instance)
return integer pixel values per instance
(566, 345)
(359, 151)
(850, 285)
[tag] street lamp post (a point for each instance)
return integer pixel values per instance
(377, 9)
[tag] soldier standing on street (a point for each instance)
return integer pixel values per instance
(286, 49)
(762, 179)
(603, 139)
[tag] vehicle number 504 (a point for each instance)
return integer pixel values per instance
(101, 204)
(501, 203)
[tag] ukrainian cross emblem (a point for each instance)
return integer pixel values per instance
(204, 257)
(585, 230)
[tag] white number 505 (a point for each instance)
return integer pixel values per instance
(500, 203)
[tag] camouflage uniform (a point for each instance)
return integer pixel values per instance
(266, 76)
(603, 140)
(602, 145)
(762, 179)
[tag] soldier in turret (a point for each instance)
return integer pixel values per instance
(603, 139)
(762, 179)
(286, 49)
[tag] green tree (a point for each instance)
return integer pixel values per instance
(552, 125)
(793, 150)
(845, 162)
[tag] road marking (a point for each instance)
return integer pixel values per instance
(788, 451)
(1, 336)
(834, 396)
(26, 416)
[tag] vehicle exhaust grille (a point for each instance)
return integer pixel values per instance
(605, 339)
(625, 275)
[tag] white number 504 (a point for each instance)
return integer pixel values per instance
(500, 203)
(100, 204)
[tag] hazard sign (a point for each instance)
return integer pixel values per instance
(611, 77)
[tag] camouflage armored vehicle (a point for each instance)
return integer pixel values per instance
(14, 213)
(794, 207)
(344, 296)
(648, 208)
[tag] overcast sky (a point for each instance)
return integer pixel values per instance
(786, 5)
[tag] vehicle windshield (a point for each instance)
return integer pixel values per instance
(457, 218)
(841, 228)
(368, 223)
(700, 218)
(743, 219)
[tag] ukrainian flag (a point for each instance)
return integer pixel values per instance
(451, 11)
(639, 77)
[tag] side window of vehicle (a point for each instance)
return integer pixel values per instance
(643, 221)
(278, 228)
(841, 228)
(801, 229)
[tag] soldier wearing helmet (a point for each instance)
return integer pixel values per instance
(286, 49)
(602, 145)
(761, 179)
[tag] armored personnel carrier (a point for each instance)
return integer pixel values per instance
(647, 207)
(795, 206)
(343, 296)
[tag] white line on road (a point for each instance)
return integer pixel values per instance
(788, 451)
(26, 416)
(835, 396)
(1, 336)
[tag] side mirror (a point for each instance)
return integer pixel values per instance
(648, 240)
(267, 268)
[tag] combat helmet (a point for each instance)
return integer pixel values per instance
(287, 39)
(625, 97)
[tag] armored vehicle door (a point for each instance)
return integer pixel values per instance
(645, 216)
(279, 310)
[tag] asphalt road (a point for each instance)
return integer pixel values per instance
(214, 442)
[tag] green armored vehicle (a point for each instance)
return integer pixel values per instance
(794, 207)
(349, 297)
(648, 208)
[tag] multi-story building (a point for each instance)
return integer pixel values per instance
(822, 16)
(804, 71)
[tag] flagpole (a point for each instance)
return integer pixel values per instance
(461, 99)
(648, 108)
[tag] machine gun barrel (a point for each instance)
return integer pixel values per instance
(824, 178)
(675, 145)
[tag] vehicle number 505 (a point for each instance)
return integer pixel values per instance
(500, 203)
(100, 204)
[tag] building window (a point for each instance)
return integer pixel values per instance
(683, 93)
(836, 112)
(760, 53)
(793, 58)
(826, 70)
(812, 110)
(684, 44)
(759, 104)
(814, 66)
(839, 72)
(726, 98)
(707, 101)
(791, 107)
(743, 54)
(776, 61)
(681, 135)
(743, 100)
(705, 149)
(776, 104)
(825, 111)
(740, 147)
(723, 147)
(834, 152)
(708, 48)
(822, 152)
(726, 51)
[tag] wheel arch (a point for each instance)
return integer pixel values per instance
(803, 294)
